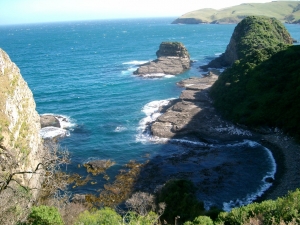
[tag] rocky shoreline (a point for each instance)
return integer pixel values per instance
(193, 115)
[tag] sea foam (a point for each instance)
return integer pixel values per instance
(227, 206)
(66, 125)
(151, 110)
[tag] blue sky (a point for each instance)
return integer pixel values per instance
(37, 11)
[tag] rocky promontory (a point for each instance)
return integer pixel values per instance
(194, 114)
(172, 59)
(252, 34)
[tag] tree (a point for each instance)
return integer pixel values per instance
(16, 197)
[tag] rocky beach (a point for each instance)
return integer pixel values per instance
(194, 115)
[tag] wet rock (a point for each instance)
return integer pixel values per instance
(49, 121)
(98, 166)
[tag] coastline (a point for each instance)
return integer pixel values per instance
(284, 149)
(287, 156)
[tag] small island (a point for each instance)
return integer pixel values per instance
(172, 59)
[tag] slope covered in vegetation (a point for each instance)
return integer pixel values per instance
(285, 11)
(263, 87)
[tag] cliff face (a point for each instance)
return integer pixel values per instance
(20, 142)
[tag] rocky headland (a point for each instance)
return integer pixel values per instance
(172, 59)
(248, 37)
(194, 114)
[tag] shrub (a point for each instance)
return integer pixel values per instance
(105, 216)
(44, 215)
(200, 220)
(283, 210)
(180, 199)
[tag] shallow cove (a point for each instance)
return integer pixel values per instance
(84, 70)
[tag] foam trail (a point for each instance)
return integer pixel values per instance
(227, 206)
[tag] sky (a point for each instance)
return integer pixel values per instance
(39, 11)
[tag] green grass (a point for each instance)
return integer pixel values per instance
(285, 11)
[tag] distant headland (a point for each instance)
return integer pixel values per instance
(284, 11)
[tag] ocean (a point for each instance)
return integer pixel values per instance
(84, 72)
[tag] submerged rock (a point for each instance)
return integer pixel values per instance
(98, 166)
(172, 58)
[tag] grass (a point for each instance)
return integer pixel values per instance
(285, 11)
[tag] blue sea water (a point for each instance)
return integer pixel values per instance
(84, 70)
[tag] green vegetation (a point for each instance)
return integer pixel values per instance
(262, 88)
(181, 200)
(44, 215)
(259, 36)
(105, 216)
(285, 11)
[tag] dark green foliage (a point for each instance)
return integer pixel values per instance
(255, 33)
(267, 93)
(44, 215)
(180, 198)
(263, 87)
(270, 212)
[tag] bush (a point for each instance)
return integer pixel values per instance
(105, 216)
(283, 210)
(44, 215)
(200, 220)
(180, 199)
(132, 218)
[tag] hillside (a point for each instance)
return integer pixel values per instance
(262, 87)
(285, 11)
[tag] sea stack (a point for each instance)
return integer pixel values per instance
(172, 59)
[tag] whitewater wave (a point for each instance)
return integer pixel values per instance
(227, 206)
(119, 129)
(151, 111)
(135, 62)
(66, 125)
(157, 75)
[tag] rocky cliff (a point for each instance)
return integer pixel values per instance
(20, 142)
(172, 58)
(253, 34)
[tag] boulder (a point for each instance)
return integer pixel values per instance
(49, 121)
(172, 58)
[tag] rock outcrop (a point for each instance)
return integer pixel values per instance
(20, 143)
(172, 58)
(49, 121)
(252, 34)
(194, 114)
